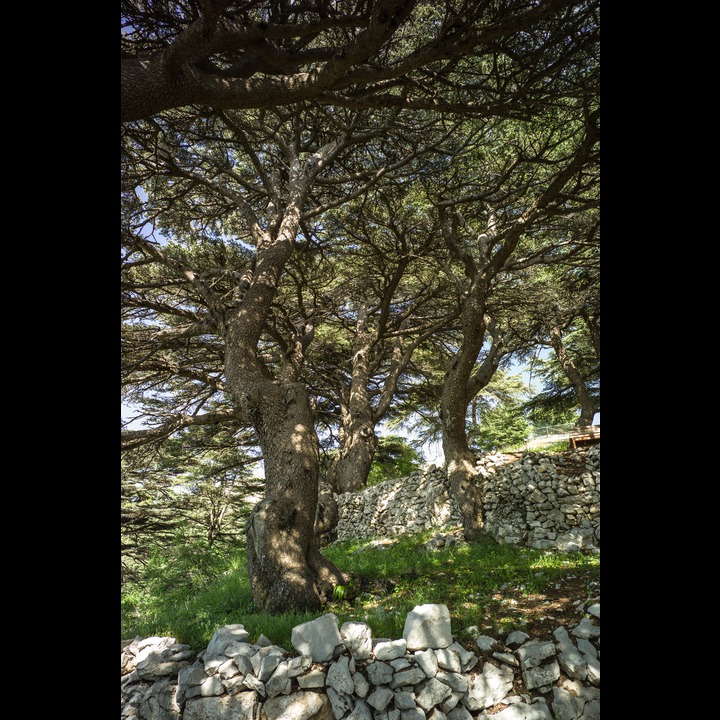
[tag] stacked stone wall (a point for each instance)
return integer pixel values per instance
(343, 673)
(406, 505)
(541, 500)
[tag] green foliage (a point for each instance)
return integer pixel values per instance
(555, 447)
(502, 426)
(394, 458)
(548, 415)
(186, 565)
(186, 499)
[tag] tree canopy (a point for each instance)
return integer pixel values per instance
(325, 204)
(480, 59)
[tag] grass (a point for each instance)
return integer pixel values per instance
(557, 446)
(387, 582)
(554, 447)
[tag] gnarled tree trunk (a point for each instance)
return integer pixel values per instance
(460, 386)
(349, 469)
(286, 568)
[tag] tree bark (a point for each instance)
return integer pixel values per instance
(286, 569)
(268, 71)
(358, 442)
(494, 250)
(327, 516)
(285, 566)
(350, 468)
(460, 460)
(593, 325)
(587, 406)
(459, 386)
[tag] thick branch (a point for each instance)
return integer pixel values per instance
(130, 439)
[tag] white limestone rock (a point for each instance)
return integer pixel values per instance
(242, 705)
(357, 637)
(390, 650)
(224, 636)
(339, 676)
(488, 687)
(317, 638)
(299, 706)
(427, 662)
(428, 626)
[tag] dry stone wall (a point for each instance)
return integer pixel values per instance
(343, 673)
(540, 500)
(412, 504)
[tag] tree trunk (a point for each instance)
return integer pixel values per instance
(327, 516)
(593, 326)
(459, 389)
(358, 442)
(456, 390)
(287, 571)
(585, 401)
(460, 461)
(351, 466)
(456, 396)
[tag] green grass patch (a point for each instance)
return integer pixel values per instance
(387, 583)
(464, 577)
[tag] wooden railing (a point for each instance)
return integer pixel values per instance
(589, 435)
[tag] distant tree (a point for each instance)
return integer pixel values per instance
(570, 376)
(195, 490)
(561, 313)
(544, 415)
(395, 458)
(516, 219)
(501, 426)
(390, 301)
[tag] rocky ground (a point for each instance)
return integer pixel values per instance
(561, 603)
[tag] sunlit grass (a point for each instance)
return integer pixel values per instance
(464, 577)
(468, 578)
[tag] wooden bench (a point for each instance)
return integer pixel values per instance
(589, 435)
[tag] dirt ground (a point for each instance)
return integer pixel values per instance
(561, 603)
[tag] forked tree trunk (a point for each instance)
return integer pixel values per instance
(459, 387)
(286, 569)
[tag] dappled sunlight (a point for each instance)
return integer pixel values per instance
(494, 587)
(461, 465)
(299, 436)
(388, 501)
(500, 459)
(293, 576)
